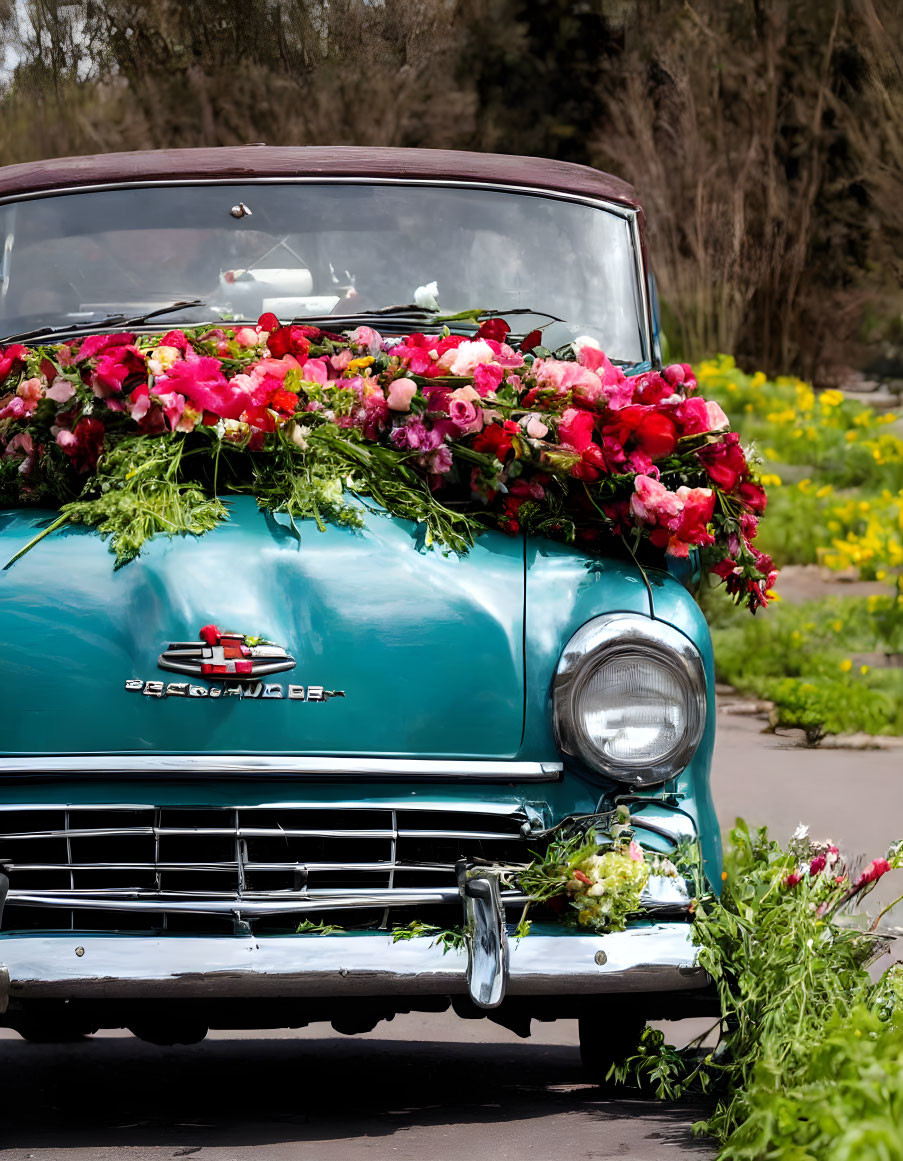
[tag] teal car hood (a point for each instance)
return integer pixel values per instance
(428, 650)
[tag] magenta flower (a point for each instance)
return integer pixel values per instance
(872, 873)
(202, 381)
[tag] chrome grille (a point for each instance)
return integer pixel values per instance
(261, 868)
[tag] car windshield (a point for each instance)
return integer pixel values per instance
(319, 248)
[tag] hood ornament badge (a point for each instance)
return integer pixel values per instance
(225, 656)
(234, 664)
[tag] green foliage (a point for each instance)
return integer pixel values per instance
(308, 927)
(809, 1061)
(802, 658)
(140, 492)
(448, 938)
(602, 877)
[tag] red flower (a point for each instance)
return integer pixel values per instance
(533, 339)
(210, 634)
(12, 359)
(645, 428)
(496, 439)
(753, 495)
(792, 879)
(290, 340)
(284, 401)
(88, 445)
(494, 328)
(873, 872)
(724, 461)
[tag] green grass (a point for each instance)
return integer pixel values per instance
(833, 469)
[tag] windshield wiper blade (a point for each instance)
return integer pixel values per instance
(415, 314)
(119, 320)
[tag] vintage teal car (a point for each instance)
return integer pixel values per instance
(373, 726)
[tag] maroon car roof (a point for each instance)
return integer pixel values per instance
(247, 161)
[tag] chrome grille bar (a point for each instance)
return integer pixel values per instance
(242, 864)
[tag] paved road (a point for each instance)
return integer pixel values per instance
(423, 1088)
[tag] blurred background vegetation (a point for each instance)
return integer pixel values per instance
(766, 140)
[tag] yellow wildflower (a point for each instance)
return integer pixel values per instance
(846, 665)
(360, 364)
(770, 480)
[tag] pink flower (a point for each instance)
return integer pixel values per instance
(534, 427)
(31, 391)
(792, 879)
(314, 371)
(11, 359)
(113, 368)
(652, 503)
(367, 339)
(202, 381)
(95, 344)
(576, 429)
(21, 447)
(173, 405)
(14, 409)
(689, 528)
(437, 462)
(487, 377)
(635, 851)
(60, 390)
(414, 435)
(464, 359)
(463, 412)
(247, 337)
(401, 392)
(175, 339)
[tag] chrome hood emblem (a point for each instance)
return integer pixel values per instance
(225, 656)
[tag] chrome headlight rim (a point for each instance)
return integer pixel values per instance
(627, 635)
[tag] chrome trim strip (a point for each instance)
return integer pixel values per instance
(250, 832)
(627, 213)
(503, 809)
(240, 765)
(383, 868)
(281, 903)
(657, 958)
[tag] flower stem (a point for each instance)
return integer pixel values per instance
(58, 523)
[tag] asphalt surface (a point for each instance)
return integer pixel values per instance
(423, 1087)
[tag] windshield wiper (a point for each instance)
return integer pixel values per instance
(414, 315)
(119, 320)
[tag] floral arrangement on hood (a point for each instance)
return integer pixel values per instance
(141, 434)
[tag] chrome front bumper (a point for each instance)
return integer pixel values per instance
(656, 958)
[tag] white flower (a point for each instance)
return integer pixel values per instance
(801, 833)
(162, 359)
(427, 297)
(299, 434)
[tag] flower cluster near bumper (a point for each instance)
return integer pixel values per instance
(459, 433)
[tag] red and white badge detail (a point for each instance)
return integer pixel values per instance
(221, 655)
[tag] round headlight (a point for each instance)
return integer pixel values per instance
(629, 698)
